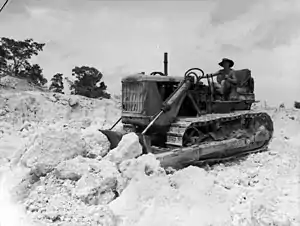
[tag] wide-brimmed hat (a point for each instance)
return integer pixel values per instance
(231, 63)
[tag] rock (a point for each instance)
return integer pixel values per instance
(51, 147)
(73, 169)
(297, 105)
(78, 124)
(73, 101)
(146, 165)
(100, 186)
(53, 98)
(128, 148)
(103, 215)
(25, 126)
(95, 190)
(97, 141)
(2, 112)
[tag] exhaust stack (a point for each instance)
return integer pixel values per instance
(166, 64)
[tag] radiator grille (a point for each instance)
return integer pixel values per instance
(133, 97)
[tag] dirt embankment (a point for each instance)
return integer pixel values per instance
(62, 172)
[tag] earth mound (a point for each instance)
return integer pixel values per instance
(58, 166)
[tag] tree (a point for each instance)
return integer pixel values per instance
(33, 73)
(2, 60)
(15, 56)
(88, 83)
(57, 84)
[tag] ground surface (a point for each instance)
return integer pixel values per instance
(56, 165)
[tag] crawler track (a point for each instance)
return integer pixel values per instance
(175, 135)
(218, 138)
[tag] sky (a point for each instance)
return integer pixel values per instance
(125, 37)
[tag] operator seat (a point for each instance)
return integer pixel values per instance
(245, 82)
(244, 86)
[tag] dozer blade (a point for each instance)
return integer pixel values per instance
(113, 137)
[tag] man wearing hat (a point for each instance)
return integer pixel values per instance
(225, 77)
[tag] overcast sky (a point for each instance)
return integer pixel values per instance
(121, 37)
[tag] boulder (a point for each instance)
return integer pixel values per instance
(97, 142)
(73, 101)
(144, 165)
(100, 186)
(51, 147)
(128, 148)
(74, 169)
(93, 190)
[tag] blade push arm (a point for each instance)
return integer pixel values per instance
(183, 87)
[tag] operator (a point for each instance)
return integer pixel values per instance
(225, 77)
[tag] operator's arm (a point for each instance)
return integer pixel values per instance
(232, 77)
(216, 73)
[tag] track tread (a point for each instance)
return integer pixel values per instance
(178, 128)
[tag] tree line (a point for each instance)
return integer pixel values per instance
(15, 56)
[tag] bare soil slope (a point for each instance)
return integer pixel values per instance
(58, 167)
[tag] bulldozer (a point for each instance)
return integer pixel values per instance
(185, 120)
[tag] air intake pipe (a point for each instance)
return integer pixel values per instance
(166, 64)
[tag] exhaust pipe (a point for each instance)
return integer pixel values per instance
(166, 64)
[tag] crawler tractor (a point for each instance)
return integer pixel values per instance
(186, 121)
